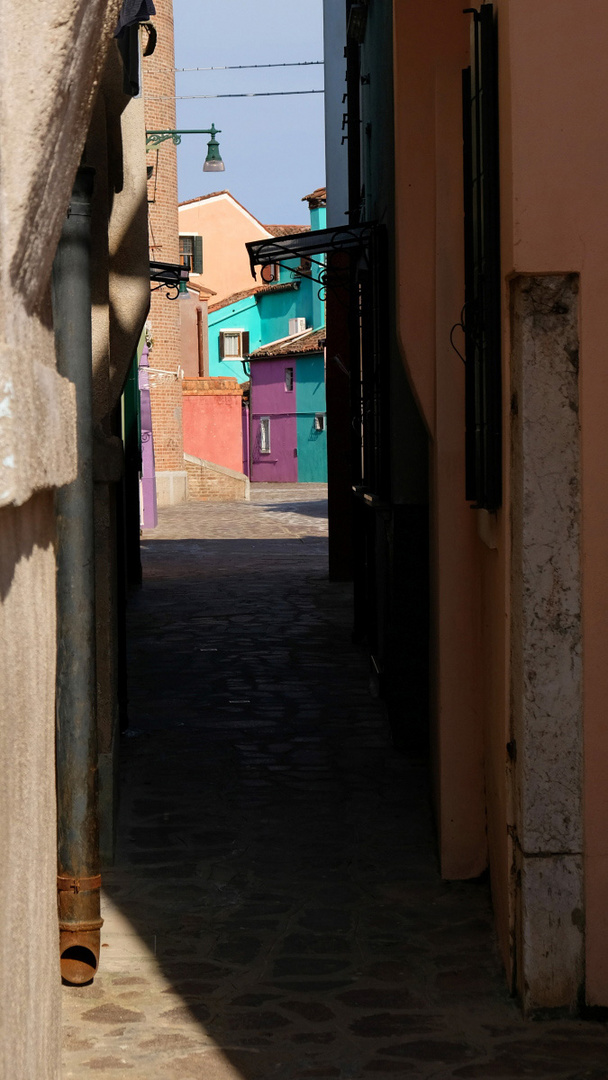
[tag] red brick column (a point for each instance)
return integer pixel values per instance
(165, 389)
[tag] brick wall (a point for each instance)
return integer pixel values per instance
(208, 482)
(165, 390)
(211, 386)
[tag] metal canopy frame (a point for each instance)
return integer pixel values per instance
(343, 238)
(168, 275)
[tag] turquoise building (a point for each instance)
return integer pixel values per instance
(246, 321)
(311, 419)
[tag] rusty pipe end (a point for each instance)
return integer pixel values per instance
(79, 955)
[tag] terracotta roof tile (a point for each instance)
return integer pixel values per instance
(280, 286)
(286, 230)
(317, 197)
(234, 298)
(313, 341)
(201, 198)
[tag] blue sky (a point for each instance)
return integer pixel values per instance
(272, 147)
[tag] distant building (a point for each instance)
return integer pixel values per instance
(287, 301)
(277, 323)
(213, 231)
(288, 418)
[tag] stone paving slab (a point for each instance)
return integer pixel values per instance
(275, 910)
(275, 510)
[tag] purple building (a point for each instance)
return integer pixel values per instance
(288, 419)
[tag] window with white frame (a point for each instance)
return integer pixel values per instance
(320, 421)
(264, 435)
(234, 344)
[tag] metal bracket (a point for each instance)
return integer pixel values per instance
(78, 884)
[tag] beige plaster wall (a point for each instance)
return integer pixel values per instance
(225, 227)
(46, 96)
(29, 953)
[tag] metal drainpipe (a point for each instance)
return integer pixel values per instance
(78, 880)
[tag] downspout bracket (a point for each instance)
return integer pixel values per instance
(78, 884)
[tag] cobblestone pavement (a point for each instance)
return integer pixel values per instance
(275, 912)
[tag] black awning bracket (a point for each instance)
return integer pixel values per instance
(342, 238)
(168, 275)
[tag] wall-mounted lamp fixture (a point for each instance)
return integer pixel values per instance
(213, 161)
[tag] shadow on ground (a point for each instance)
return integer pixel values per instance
(316, 508)
(277, 856)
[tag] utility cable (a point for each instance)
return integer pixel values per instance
(210, 97)
(243, 67)
(267, 93)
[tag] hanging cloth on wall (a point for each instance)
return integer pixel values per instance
(132, 15)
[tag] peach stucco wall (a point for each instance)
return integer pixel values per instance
(554, 118)
(554, 207)
(212, 422)
(225, 227)
(430, 51)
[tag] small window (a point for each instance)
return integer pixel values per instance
(320, 421)
(233, 344)
(264, 435)
(191, 253)
(289, 378)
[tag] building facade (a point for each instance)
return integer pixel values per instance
(213, 232)
(288, 418)
(485, 478)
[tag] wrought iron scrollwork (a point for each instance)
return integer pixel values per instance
(167, 276)
(314, 247)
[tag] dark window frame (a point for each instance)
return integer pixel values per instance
(192, 259)
(483, 276)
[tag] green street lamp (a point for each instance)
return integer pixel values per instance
(213, 161)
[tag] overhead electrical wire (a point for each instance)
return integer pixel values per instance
(209, 97)
(267, 93)
(243, 67)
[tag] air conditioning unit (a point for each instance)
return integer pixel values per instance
(297, 326)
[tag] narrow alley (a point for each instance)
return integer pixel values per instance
(275, 910)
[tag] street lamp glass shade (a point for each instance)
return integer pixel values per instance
(213, 161)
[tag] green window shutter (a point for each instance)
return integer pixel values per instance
(197, 260)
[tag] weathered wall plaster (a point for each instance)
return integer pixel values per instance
(29, 954)
(546, 648)
(51, 55)
(43, 123)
